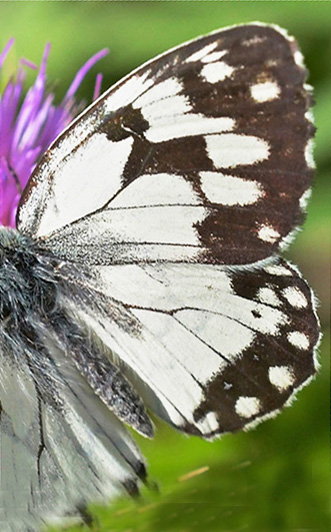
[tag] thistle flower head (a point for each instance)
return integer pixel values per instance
(29, 124)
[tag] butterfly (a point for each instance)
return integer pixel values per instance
(144, 273)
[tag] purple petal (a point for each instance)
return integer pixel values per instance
(29, 64)
(29, 127)
(5, 51)
(97, 86)
(82, 73)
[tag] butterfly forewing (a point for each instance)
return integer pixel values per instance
(201, 155)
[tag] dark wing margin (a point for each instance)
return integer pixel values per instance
(213, 137)
(275, 366)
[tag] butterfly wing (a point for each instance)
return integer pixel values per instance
(198, 159)
(212, 350)
(201, 155)
(207, 152)
(57, 456)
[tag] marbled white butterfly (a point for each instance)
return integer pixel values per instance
(144, 273)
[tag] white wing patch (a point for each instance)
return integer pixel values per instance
(278, 270)
(309, 154)
(298, 339)
(165, 287)
(173, 336)
(230, 150)
(171, 126)
(213, 56)
(216, 72)
(268, 233)
(222, 333)
(105, 161)
(295, 297)
(248, 406)
(156, 189)
(267, 295)
(282, 377)
(200, 54)
(169, 114)
(164, 90)
(155, 225)
(128, 88)
(148, 360)
(170, 288)
(265, 91)
(230, 190)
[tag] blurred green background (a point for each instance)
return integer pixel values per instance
(275, 478)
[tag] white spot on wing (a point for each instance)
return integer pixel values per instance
(281, 377)
(268, 296)
(247, 406)
(269, 320)
(268, 234)
(229, 190)
(230, 150)
(295, 297)
(197, 56)
(215, 72)
(298, 339)
(265, 92)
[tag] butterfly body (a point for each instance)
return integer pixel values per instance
(27, 279)
(144, 273)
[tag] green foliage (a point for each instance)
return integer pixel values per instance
(276, 477)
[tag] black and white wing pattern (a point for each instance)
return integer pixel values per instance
(60, 445)
(202, 155)
(163, 206)
(210, 349)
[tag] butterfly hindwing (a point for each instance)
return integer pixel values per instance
(201, 155)
(239, 343)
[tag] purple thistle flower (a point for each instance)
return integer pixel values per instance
(28, 127)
